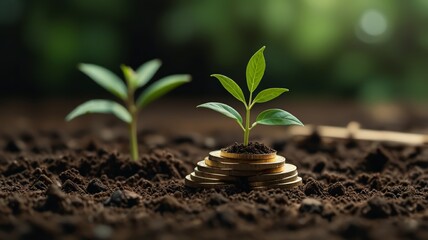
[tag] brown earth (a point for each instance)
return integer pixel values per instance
(71, 184)
(251, 148)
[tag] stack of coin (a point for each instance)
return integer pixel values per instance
(256, 171)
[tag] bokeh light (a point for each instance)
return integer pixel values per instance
(373, 22)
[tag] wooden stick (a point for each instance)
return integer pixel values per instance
(353, 131)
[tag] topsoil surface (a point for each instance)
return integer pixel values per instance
(251, 148)
(57, 184)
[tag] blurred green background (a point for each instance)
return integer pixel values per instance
(363, 50)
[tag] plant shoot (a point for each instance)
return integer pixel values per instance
(128, 112)
(254, 74)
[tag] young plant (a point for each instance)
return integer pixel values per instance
(255, 71)
(134, 79)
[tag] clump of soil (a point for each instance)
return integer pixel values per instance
(251, 148)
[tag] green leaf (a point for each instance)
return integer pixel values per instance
(277, 117)
(269, 94)
(146, 71)
(160, 88)
(224, 109)
(230, 86)
(100, 106)
(255, 69)
(130, 76)
(106, 79)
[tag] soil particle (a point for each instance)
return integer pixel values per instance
(251, 148)
(363, 178)
(310, 205)
(312, 143)
(222, 217)
(56, 201)
(337, 189)
(216, 199)
(123, 198)
(247, 211)
(72, 175)
(38, 185)
(351, 143)
(115, 166)
(313, 187)
(14, 146)
(39, 171)
(379, 207)
(178, 194)
(16, 204)
(260, 197)
(376, 160)
(329, 211)
(44, 179)
(15, 167)
(145, 184)
(375, 183)
(70, 187)
(169, 204)
(92, 146)
(161, 165)
(319, 167)
(355, 229)
(96, 186)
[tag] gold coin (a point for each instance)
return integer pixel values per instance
(289, 170)
(200, 179)
(221, 177)
(273, 182)
(247, 156)
(287, 185)
(201, 166)
(216, 156)
(190, 183)
(279, 161)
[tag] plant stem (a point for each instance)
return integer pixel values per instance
(247, 127)
(247, 120)
(133, 141)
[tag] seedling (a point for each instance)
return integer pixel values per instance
(135, 80)
(254, 74)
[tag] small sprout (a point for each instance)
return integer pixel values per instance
(255, 71)
(134, 80)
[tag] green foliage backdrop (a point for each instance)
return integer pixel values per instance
(357, 49)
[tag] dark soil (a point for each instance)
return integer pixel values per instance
(251, 148)
(71, 185)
